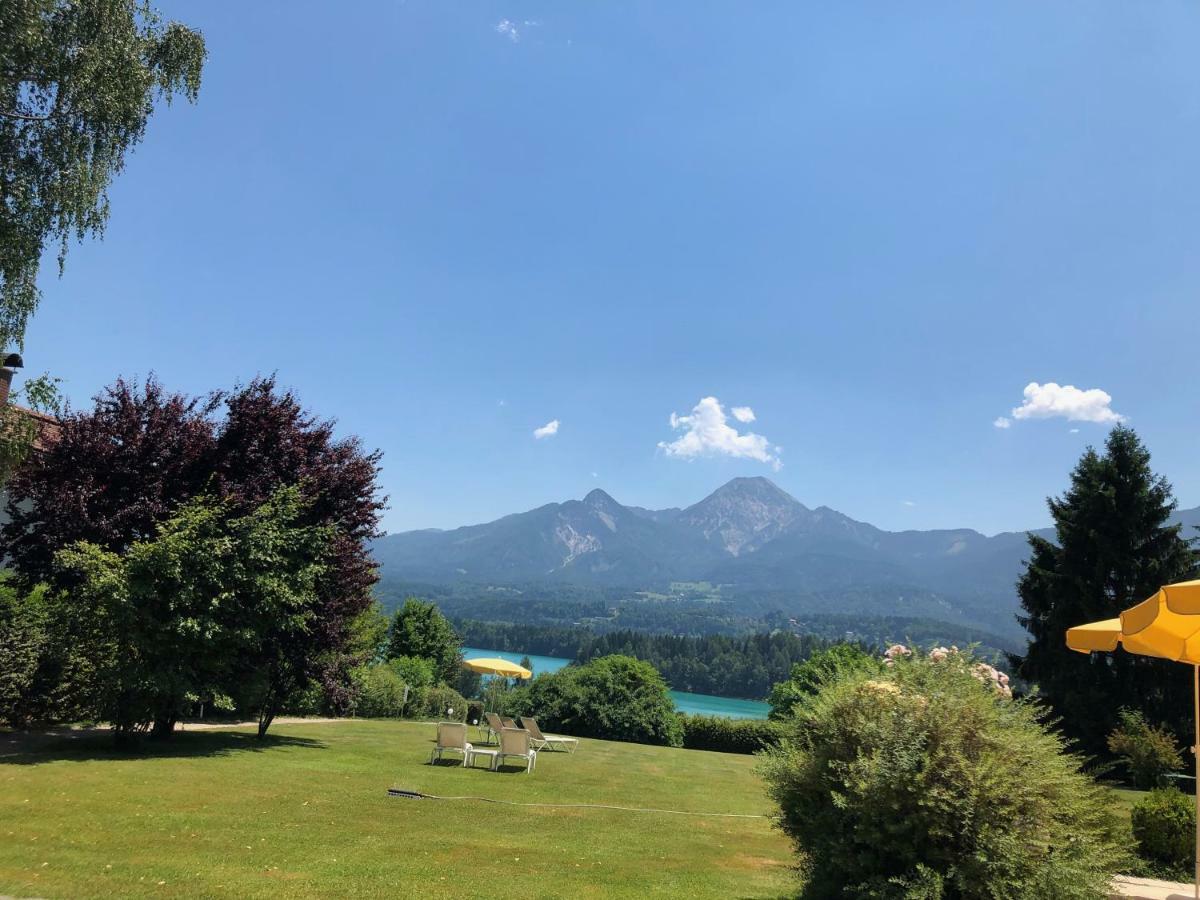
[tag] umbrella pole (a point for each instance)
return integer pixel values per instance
(1196, 757)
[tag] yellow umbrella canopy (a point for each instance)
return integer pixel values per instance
(1167, 626)
(485, 665)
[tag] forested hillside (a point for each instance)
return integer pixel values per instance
(744, 666)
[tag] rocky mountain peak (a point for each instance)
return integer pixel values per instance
(745, 513)
(598, 499)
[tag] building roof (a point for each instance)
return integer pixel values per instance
(48, 427)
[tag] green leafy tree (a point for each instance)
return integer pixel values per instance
(614, 697)
(1114, 547)
(809, 676)
(468, 683)
(415, 671)
(367, 639)
(114, 473)
(420, 629)
(79, 80)
(210, 601)
(924, 779)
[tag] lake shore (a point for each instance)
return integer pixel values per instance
(685, 702)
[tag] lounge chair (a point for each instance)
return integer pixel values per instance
(493, 725)
(516, 742)
(553, 741)
(452, 738)
(508, 723)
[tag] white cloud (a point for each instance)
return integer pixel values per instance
(707, 432)
(1050, 401)
(743, 413)
(1002, 422)
(595, 474)
(909, 503)
(548, 430)
(1074, 431)
(512, 30)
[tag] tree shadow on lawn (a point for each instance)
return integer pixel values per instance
(32, 748)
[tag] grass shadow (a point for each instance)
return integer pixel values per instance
(31, 748)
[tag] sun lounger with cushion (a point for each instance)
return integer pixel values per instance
(553, 741)
(516, 742)
(493, 725)
(452, 738)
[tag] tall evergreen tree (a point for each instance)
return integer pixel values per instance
(1114, 548)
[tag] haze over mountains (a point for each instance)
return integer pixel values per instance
(765, 549)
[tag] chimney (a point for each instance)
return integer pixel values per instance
(10, 361)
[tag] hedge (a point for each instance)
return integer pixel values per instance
(728, 735)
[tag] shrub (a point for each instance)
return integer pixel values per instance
(728, 735)
(307, 702)
(614, 697)
(468, 683)
(807, 677)
(1164, 826)
(474, 712)
(925, 779)
(415, 671)
(25, 641)
(381, 692)
(442, 703)
(1148, 752)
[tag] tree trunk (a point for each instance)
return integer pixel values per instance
(163, 728)
(265, 718)
(127, 731)
(126, 738)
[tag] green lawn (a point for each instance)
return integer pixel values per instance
(306, 815)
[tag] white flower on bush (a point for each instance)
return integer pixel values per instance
(895, 652)
(937, 654)
(994, 677)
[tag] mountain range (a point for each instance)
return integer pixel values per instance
(760, 548)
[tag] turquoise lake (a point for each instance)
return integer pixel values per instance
(696, 704)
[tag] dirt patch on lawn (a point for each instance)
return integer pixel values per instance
(752, 863)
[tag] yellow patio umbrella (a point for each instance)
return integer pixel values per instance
(486, 665)
(492, 666)
(1167, 626)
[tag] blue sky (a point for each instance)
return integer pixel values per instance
(449, 224)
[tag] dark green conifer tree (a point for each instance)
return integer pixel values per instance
(1114, 546)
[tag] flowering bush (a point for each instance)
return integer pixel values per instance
(925, 779)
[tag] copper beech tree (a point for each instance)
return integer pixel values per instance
(121, 469)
